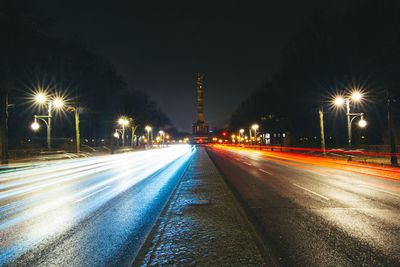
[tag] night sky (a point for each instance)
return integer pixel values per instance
(158, 46)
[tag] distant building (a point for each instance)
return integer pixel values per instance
(200, 127)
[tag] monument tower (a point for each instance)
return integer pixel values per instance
(200, 128)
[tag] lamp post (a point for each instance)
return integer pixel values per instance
(123, 121)
(148, 130)
(43, 99)
(355, 97)
(162, 135)
(255, 127)
(241, 132)
(322, 130)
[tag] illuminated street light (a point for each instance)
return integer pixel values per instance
(362, 123)
(162, 135)
(116, 135)
(123, 121)
(254, 127)
(41, 98)
(149, 131)
(339, 101)
(35, 126)
(241, 133)
(356, 96)
(58, 103)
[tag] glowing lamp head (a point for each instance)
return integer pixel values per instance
(147, 128)
(362, 123)
(58, 103)
(339, 101)
(241, 131)
(123, 121)
(161, 132)
(255, 127)
(35, 126)
(116, 135)
(356, 96)
(40, 98)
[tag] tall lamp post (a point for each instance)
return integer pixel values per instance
(123, 121)
(355, 97)
(148, 130)
(162, 135)
(255, 127)
(43, 99)
(241, 132)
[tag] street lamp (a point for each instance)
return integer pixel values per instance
(148, 130)
(254, 127)
(339, 101)
(162, 135)
(241, 132)
(42, 99)
(123, 121)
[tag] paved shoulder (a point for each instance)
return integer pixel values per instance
(203, 224)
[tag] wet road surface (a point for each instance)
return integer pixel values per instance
(313, 212)
(86, 212)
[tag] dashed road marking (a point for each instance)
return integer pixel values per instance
(380, 190)
(312, 192)
(264, 171)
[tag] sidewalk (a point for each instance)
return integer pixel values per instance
(203, 225)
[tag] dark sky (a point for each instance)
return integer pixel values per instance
(158, 46)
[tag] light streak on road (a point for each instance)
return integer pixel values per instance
(312, 161)
(312, 202)
(36, 203)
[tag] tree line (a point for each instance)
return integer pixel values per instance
(33, 58)
(336, 49)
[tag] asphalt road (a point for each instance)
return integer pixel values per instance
(86, 212)
(312, 212)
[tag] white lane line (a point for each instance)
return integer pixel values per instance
(91, 194)
(249, 164)
(312, 192)
(380, 190)
(261, 170)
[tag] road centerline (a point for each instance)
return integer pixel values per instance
(264, 171)
(312, 192)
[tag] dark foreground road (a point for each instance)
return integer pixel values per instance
(316, 214)
(87, 212)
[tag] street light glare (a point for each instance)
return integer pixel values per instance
(362, 123)
(241, 131)
(148, 128)
(255, 127)
(123, 121)
(40, 98)
(116, 135)
(58, 103)
(356, 96)
(339, 101)
(35, 126)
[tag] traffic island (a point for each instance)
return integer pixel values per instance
(203, 225)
